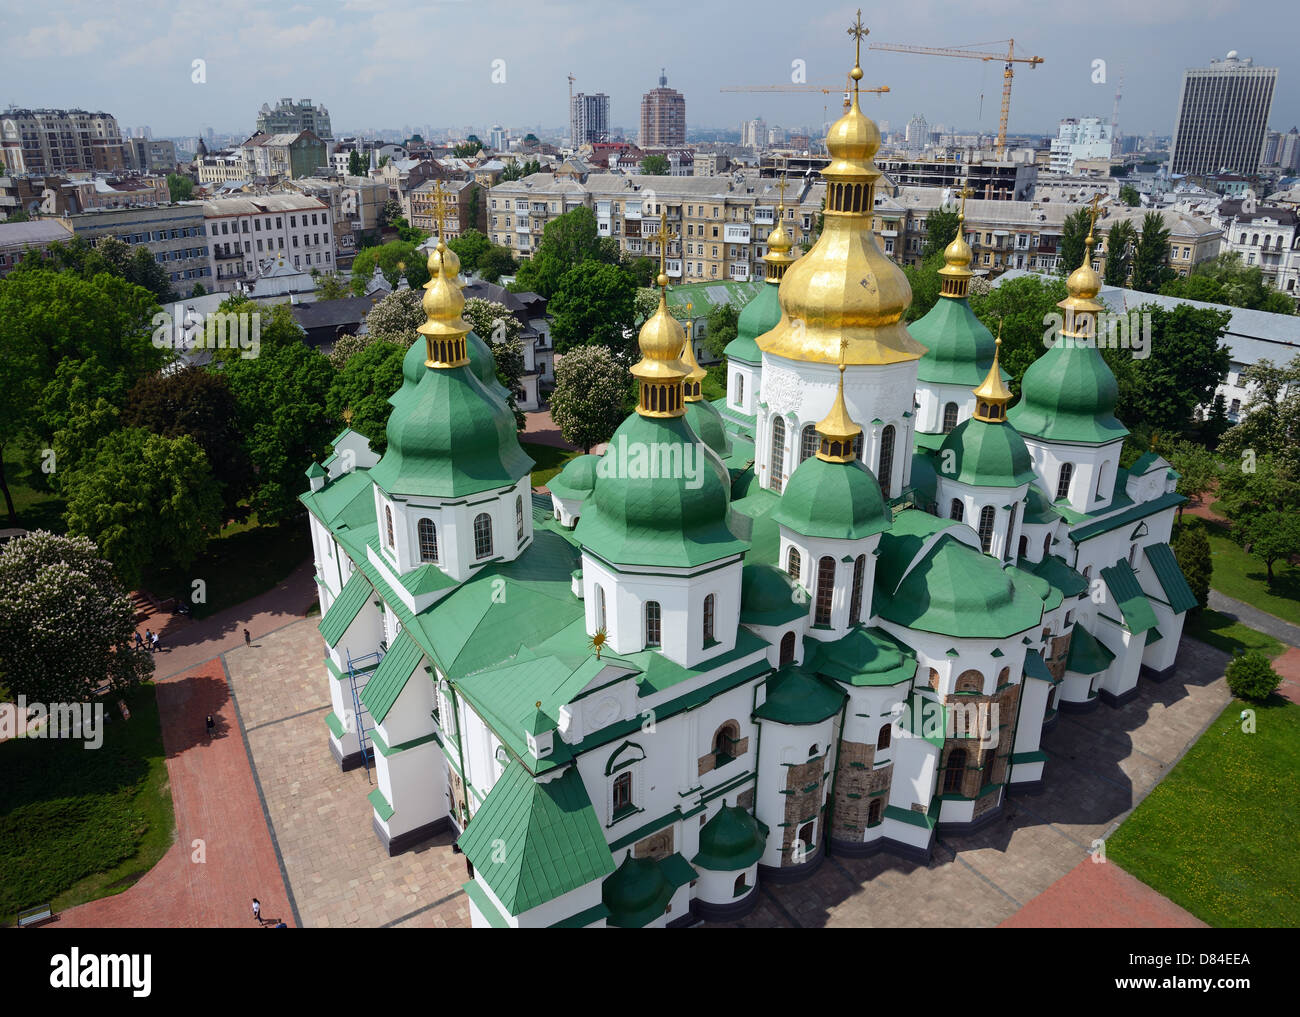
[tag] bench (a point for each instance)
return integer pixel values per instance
(35, 916)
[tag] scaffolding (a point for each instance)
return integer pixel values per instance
(359, 671)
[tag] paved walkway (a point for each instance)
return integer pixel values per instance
(1288, 666)
(1101, 895)
(1255, 618)
(540, 429)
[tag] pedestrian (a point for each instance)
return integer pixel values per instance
(149, 640)
(155, 642)
(139, 640)
(248, 640)
(212, 724)
(257, 910)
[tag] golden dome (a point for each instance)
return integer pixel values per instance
(853, 138)
(444, 255)
(695, 374)
(661, 340)
(992, 395)
(1084, 283)
(838, 430)
(444, 329)
(955, 276)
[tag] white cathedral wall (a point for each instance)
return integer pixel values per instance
(1029, 730)
(1004, 500)
(1122, 674)
(742, 381)
(803, 392)
(811, 551)
(1093, 479)
(784, 744)
(972, 654)
(932, 397)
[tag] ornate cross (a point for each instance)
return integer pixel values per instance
(1092, 225)
(663, 236)
(440, 209)
(781, 188)
(858, 31)
(966, 192)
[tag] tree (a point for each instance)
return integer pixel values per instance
(1119, 252)
(1020, 306)
(360, 391)
(1270, 423)
(1192, 552)
(1129, 195)
(181, 188)
(199, 290)
(644, 304)
(198, 404)
(330, 286)
(1251, 676)
(1198, 468)
(469, 148)
(396, 317)
(1074, 232)
(280, 411)
(924, 280)
(1228, 280)
(470, 247)
(395, 259)
(513, 171)
(474, 209)
(496, 262)
(1270, 536)
(723, 322)
(500, 329)
(1254, 487)
(143, 270)
(567, 241)
(590, 389)
(1186, 362)
(643, 270)
(383, 161)
(66, 624)
(1151, 255)
(145, 500)
(941, 227)
(392, 209)
(655, 166)
(356, 164)
(593, 306)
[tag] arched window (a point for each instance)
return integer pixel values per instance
(1063, 481)
(825, 590)
(622, 792)
(855, 603)
(388, 527)
(709, 601)
(778, 453)
(970, 681)
(1011, 530)
(740, 388)
(934, 679)
(873, 812)
(882, 739)
(808, 442)
(428, 534)
(1101, 480)
(602, 618)
(1047, 544)
(652, 636)
(793, 563)
(1132, 555)
(987, 514)
(1024, 546)
(725, 741)
(990, 757)
(1004, 676)
(519, 517)
(982, 409)
(739, 886)
(949, 417)
(954, 772)
(886, 471)
(957, 510)
(787, 649)
(482, 535)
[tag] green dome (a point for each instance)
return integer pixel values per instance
(769, 596)
(636, 894)
(730, 841)
(413, 363)
(796, 697)
(840, 500)
(635, 516)
(959, 349)
(706, 422)
(484, 365)
(576, 480)
(1068, 394)
(447, 437)
(760, 315)
(986, 455)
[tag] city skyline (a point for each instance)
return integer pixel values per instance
(356, 57)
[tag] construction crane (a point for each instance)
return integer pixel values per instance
(1008, 70)
(847, 90)
(572, 140)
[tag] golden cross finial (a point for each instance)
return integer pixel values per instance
(440, 209)
(857, 31)
(1092, 223)
(966, 192)
(781, 188)
(663, 235)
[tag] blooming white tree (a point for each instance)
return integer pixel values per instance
(590, 397)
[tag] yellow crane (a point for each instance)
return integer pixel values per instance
(1009, 60)
(825, 90)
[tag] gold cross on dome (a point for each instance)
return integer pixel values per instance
(440, 209)
(1093, 223)
(781, 188)
(664, 235)
(858, 31)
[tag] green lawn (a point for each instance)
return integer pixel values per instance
(549, 460)
(1220, 631)
(37, 510)
(245, 560)
(1243, 576)
(1220, 835)
(78, 824)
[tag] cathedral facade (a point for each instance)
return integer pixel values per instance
(834, 611)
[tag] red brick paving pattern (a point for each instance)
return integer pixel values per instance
(1288, 666)
(1100, 895)
(216, 801)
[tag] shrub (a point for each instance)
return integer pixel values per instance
(1251, 676)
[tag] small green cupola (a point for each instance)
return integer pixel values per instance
(637, 893)
(731, 841)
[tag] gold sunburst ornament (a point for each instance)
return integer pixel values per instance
(598, 642)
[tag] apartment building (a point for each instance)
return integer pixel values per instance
(663, 116)
(144, 155)
(244, 232)
(288, 117)
(284, 155)
(1223, 114)
(458, 196)
(60, 141)
(222, 166)
(1264, 235)
(17, 238)
(173, 233)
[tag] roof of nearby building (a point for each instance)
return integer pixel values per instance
(35, 231)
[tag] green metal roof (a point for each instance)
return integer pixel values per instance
(1036, 667)
(959, 349)
(576, 480)
(315, 470)
(759, 316)
(1056, 571)
(1068, 394)
(730, 841)
(707, 423)
(796, 697)
(1126, 591)
(838, 500)
(391, 676)
(1145, 463)
(863, 656)
(532, 842)
(705, 296)
(1131, 514)
(1037, 507)
(1170, 577)
(640, 889)
(637, 517)
(769, 596)
(356, 591)
(1050, 595)
(986, 455)
(1087, 654)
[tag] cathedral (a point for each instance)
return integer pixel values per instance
(833, 612)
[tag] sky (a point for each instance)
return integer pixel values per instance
(389, 63)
